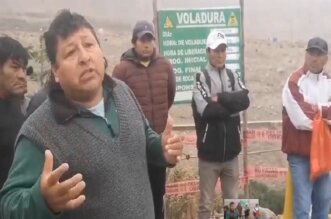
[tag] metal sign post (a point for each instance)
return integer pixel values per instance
(244, 127)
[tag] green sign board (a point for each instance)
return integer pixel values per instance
(182, 38)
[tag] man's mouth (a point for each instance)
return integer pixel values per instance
(88, 73)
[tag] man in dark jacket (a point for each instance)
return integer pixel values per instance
(13, 86)
(36, 100)
(152, 80)
(218, 98)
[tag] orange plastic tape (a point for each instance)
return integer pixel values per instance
(254, 172)
(252, 135)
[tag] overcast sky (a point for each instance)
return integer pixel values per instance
(286, 19)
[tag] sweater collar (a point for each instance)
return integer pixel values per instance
(64, 109)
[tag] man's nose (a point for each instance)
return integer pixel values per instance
(21, 74)
(84, 56)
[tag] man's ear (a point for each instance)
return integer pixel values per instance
(133, 41)
(55, 72)
(106, 62)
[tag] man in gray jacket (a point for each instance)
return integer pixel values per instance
(84, 152)
(218, 98)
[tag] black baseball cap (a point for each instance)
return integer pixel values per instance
(319, 44)
(143, 27)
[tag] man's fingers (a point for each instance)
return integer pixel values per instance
(178, 158)
(169, 126)
(48, 164)
(176, 145)
(77, 190)
(55, 176)
(174, 152)
(73, 204)
(175, 149)
(71, 194)
(68, 184)
(174, 139)
(173, 159)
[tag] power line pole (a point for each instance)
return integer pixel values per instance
(156, 22)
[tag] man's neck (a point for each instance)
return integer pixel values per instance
(317, 72)
(144, 59)
(92, 101)
(217, 68)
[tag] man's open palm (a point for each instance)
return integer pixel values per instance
(60, 196)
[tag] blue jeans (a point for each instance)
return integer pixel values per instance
(309, 193)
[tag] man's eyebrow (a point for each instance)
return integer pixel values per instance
(69, 46)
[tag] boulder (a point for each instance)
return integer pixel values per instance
(267, 214)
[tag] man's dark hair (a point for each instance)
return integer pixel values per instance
(134, 39)
(231, 203)
(12, 49)
(65, 24)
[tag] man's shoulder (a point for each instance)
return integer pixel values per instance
(300, 70)
(297, 74)
(124, 65)
(120, 85)
(119, 82)
(39, 121)
(229, 70)
(200, 75)
(162, 59)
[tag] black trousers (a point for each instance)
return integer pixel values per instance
(157, 177)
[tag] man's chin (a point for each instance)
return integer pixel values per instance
(18, 94)
(88, 90)
(146, 56)
(19, 90)
(316, 70)
(220, 66)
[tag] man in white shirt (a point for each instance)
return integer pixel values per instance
(307, 91)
